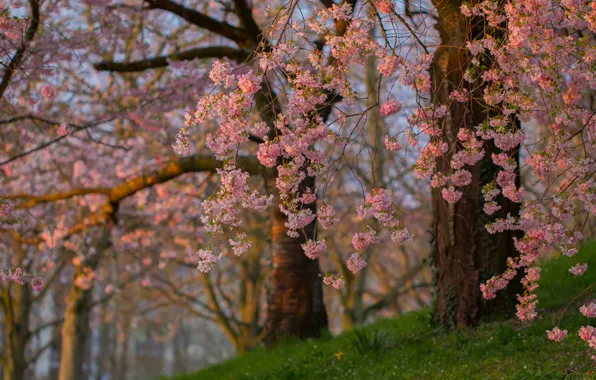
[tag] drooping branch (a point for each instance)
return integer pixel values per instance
(16, 59)
(201, 20)
(163, 61)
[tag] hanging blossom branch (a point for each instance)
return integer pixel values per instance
(534, 60)
(298, 127)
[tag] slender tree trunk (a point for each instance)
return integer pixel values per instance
(121, 354)
(75, 329)
(295, 299)
(250, 293)
(464, 253)
(17, 303)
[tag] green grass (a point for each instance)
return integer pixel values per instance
(408, 348)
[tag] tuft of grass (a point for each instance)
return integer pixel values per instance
(374, 342)
(408, 348)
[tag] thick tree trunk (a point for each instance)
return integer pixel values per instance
(464, 253)
(295, 299)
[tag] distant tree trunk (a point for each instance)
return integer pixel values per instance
(17, 306)
(250, 300)
(75, 329)
(121, 354)
(464, 253)
(295, 299)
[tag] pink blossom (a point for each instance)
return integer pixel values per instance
(339, 284)
(299, 220)
(390, 107)
(491, 207)
(378, 205)
(62, 129)
(579, 269)
(268, 154)
(47, 92)
(402, 236)
(207, 260)
(465, 10)
(461, 178)
(326, 216)
(249, 84)
(314, 249)
(392, 144)
(355, 263)
(308, 197)
(389, 65)
(586, 333)
(588, 310)
(328, 280)
(221, 72)
(240, 244)
(182, 146)
(451, 195)
(385, 6)
(556, 334)
(526, 308)
(459, 96)
(363, 240)
(37, 284)
(439, 180)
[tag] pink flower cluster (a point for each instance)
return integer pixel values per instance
(556, 334)
(355, 263)
(363, 240)
(240, 244)
(207, 260)
(390, 107)
(578, 269)
(392, 144)
(588, 310)
(337, 283)
(314, 249)
(385, 6)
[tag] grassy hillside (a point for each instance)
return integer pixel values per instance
(407, 348)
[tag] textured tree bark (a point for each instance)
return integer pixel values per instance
(464, 253)
(295, 298)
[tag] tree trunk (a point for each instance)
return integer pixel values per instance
(74, 334)
(464, 253)
(295, 305)
(17, 310)
(75, 329)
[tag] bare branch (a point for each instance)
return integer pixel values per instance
(163, 61)
(201, 20)
(29, 35)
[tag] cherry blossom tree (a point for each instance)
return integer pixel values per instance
(275, 95)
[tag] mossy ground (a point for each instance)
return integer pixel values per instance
(506, 349)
